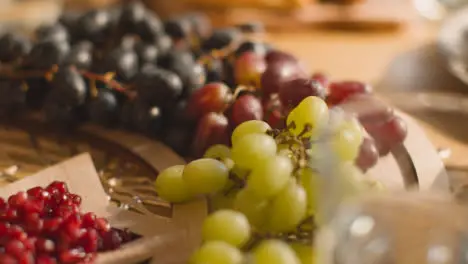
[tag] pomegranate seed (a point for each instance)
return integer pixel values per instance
(89, 220)
(74, 219)
(3, 204)
(35, 192)
(33, 206)
(30, 244)
(15, 248)
(16, 232)
(7, 259)
(26, 258)
(72, 256)
(71, 231)
(57, 187)
(4, 228)
(45, 246)
(34, 224)
(46, 260)
(102, 225)
(52, 225)
(76, 199)
(89, 241)
(18, 199)
(10, 215)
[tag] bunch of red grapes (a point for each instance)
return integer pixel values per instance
(46, 226)
(271, 83)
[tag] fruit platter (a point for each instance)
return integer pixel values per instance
(184, 121)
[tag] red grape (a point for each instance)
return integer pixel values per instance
(368, 155)
(292, 92)
(387, 134)
(213, 128)
(278, 73)
(275, 57)
(245, 108)
(321, 78)
(213, 97)
(340, 91)
(368, 108)
(273, 112)
(248, 69)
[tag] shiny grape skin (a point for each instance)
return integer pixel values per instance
(150, 28)
(248, 69)
(69, 87)
(158, 87)
(278, 73)
(104, 108)
(321, 78)
(13, 47)
(368, 154)
(46, 54)
(124, 62)
(96, 26)
(292, 92)
(246, 107)
(387, 134)
(213, 97)
(178, 28)
(340, 91)
(147, 53)
(133, 12)
(221, 38)
(213, 128)
(148, 119)
(80, 55)
(54, 32)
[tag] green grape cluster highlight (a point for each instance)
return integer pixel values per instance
(264, 190)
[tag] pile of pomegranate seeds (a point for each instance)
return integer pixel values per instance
(45, 226)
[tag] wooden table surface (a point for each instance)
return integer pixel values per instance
(405, 61)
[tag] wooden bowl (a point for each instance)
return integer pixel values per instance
(129, 163)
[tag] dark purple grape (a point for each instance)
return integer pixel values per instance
(54, 32)
(128, 42)
(80, 55)
(96, 26)
(184, 65)
(126, 115)
(124, 62)
(178, 137)
(251, 46)
(148, 119)
(150, 28)
(147, 53)
(133, 12)
(214, 71)
(46, 54)
(12, 96)
(104, 109)
(252, 27)
(69, 20)
(69, 87)
(13, 47)
(38, 88)
(178, 28)
(158, 87)
(221, 38)
(292, 92)
(163, 43)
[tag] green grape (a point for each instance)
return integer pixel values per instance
(286, 153)
(205, 176)
(218, 152)
(304, 252)
(217, 252)
(288, 208)
(220, 201)
(229, 163)
(241, 173)
(308, 179)
(274, 252)
(252, 207)
(347, 139)
(269, 177)
(249, 127)
(311, 111)
(170, 185)
(252, 149)
(227, 225)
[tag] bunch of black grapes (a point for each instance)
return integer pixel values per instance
(119, 67)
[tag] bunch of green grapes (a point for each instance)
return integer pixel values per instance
(264, 191)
